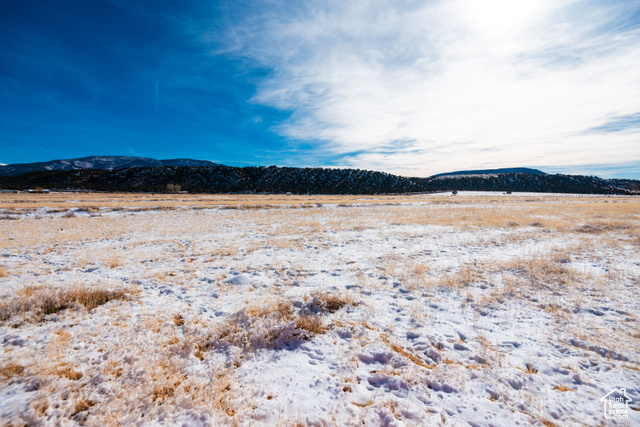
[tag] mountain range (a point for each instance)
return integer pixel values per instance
(493, 172)
(142, 174)
(98, 162)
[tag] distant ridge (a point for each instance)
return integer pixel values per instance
(529, 182)
(98, 162)
(187, 162)
(493, 172)
(217, 179)
(280, 180)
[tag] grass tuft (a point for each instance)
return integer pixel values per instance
(92, 298)
(310, 323)
(39, 302)
(178, 320)
(83, 405)
(161, 394)
(562, 388)
(324, 302)
(70, 374)
(11, 370)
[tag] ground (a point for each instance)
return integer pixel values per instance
(472, 309)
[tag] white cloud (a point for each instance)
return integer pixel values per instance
(437, 86)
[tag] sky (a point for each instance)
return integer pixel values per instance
(408, 87)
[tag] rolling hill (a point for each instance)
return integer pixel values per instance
(272, 179)
(492, 172)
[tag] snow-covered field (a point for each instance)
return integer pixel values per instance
(457, 310)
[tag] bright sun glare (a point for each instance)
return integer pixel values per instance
(501, 17)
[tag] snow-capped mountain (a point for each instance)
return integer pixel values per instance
(98, 162)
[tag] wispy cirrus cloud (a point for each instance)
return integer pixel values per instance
(619, 124)
(414, 87)
(428, 86)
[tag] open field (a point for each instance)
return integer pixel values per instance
(318, 310)
(24, 202)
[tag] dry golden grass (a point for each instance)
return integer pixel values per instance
(466, 275)
(561, 214)
(332, 302)
(82, 405)
(281, 310)
(178, 320)
(163, 393)
(37, 302)
(270, 326)
(4, 272)
(562, 388)
(401, 351)
(62, 336)
(92, 202)
(92, 298)
(310, 323)
(114, 261)
(29, 291)
(418, 269)
(363, 405)
(552, 212)
(271, 321)
(10, 370)
(410, 356)
(69, 373)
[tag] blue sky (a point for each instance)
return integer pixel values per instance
(414, 87)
